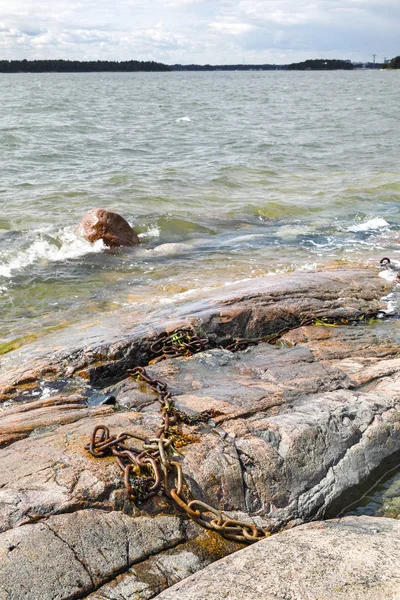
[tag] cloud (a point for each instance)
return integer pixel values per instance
(216, 31)
(226, 27)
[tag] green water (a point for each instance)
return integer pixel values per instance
(380, 496)
(226, 176)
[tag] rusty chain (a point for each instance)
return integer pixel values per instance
(185, 342)
(181, 342)
(151, 468)
(148, 470)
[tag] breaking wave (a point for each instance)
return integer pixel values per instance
(370, 225)
(47, 247)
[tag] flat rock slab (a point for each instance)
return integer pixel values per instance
(356, 558)
(266, 305)
(70, 555)
(295, 425)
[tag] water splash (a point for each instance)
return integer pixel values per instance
(49, 247)
(370, 225)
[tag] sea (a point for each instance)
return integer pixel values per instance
(225, 176)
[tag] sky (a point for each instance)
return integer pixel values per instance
(200, 31)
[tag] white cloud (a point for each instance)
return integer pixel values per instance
(216, 31)
(231, 28)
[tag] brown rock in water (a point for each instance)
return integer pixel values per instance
(101, 224)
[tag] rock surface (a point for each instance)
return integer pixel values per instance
(296, 425)
(356, 558)
(108, 347)
(114, 230)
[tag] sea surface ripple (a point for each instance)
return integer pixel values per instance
(226, 176)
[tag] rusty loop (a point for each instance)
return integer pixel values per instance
(193, 514)
(156, 456)
(128, 454)
(159, 386)
(202, 508)
(141, 456)
(151, 447)
(121, 437)
(166, 422)
(385, 261)
(157, 345)
(239, 530)
(179, 477)
(157, 477)
(127, 471)
(121, 463)
(163, 457)
(140, 372)
(95, 444)
(111, 443)
(145, 493)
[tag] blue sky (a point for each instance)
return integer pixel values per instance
(200, 31)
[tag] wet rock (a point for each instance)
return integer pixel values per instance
(21, 420)
(114, 230)
(101, 400)
(294, 426)
(355, 558)
(104, 351)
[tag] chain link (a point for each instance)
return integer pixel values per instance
(181, 342)
(151, 469)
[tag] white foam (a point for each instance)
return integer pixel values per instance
(375, 223)
(388, 275)
(392, 303)
(153, 232)
(183, 119)
(47, 392)
(308, 267)
(63, 246)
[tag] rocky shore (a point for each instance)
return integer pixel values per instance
(298, 419)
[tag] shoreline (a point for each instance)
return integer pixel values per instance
(296, 378)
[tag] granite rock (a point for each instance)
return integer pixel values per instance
(295, 425)
(356, 558)
(114, 230)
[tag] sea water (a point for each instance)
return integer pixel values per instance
(226, 176)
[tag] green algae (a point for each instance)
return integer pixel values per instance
(18, 342)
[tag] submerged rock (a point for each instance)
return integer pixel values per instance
(114, 230)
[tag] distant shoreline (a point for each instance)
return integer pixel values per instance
(134, 66)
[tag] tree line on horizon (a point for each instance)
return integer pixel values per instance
(320, 64)
(394, 63)
(77, 66)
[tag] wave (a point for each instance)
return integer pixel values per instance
(371, 224)
(50, 247)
